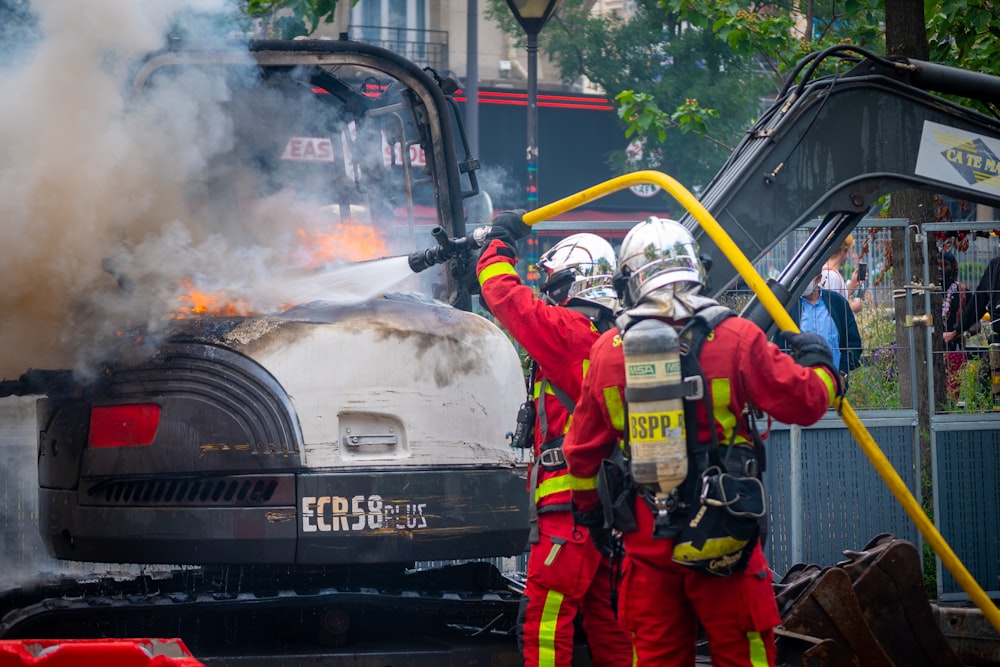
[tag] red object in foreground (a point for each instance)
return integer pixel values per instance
(96, 653)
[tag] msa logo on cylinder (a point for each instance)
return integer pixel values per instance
(340, 514)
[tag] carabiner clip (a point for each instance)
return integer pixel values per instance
(706, 482)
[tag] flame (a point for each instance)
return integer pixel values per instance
(196, 303)
(346, 242)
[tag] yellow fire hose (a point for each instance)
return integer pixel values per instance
(786, 323)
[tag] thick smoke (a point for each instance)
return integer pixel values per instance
(79, 173)
(109, 212)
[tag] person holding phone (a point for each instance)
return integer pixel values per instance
(859, 291)
(832, 279)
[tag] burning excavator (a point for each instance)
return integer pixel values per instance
(292, 466)
(298, 462)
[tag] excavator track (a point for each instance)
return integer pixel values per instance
(458, 614)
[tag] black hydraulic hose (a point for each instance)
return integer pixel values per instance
(954, 81)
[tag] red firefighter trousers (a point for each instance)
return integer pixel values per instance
(566, 575)
(661, 603)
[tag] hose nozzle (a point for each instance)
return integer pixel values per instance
(447, 248)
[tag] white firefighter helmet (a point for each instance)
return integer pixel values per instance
(581, 266)
(656, 253)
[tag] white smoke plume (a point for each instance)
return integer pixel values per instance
(78, 175)
(105, 210)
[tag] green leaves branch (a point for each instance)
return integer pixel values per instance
(644, 118)
(288, 19)
(964, 32)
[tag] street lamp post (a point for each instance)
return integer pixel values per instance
(532, 15)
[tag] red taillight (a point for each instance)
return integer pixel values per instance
(123, 425)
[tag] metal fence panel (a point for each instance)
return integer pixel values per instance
(966, 501)
(825, 496)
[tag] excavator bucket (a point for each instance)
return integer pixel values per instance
(828, 609)
(797, 649)
(868, 611)
(889, 589)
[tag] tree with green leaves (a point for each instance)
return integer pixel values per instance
(288, 19)
(689, 75)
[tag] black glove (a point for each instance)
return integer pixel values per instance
(809, 349)
(508, 227)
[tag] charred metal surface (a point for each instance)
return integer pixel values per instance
(224, 481)
(62, 435)
(141, 529)
(446, 331)
(57, 384)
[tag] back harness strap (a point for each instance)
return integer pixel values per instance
(550, 457)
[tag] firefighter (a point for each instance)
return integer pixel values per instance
(567, 575)
(663, 596)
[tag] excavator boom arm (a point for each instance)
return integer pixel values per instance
(831, 147)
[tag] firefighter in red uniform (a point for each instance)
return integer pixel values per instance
(662, 601)
(567, 574)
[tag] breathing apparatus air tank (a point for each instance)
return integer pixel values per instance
(654, 394)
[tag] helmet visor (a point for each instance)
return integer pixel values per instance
(596, 288)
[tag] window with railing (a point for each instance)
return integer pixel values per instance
(427, 48)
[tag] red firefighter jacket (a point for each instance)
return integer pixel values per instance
(738, 363)
(558, 339)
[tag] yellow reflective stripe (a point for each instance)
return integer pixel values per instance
(538, 389)
(493, 270)
(616, 407)
(721, 398)
(553, 552)
(547, 629)
(831, 385)
(586, 367)
(758, 652)
(555, 485)
(581, 483)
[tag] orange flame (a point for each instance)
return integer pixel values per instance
(197, 303)
(347, 242)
